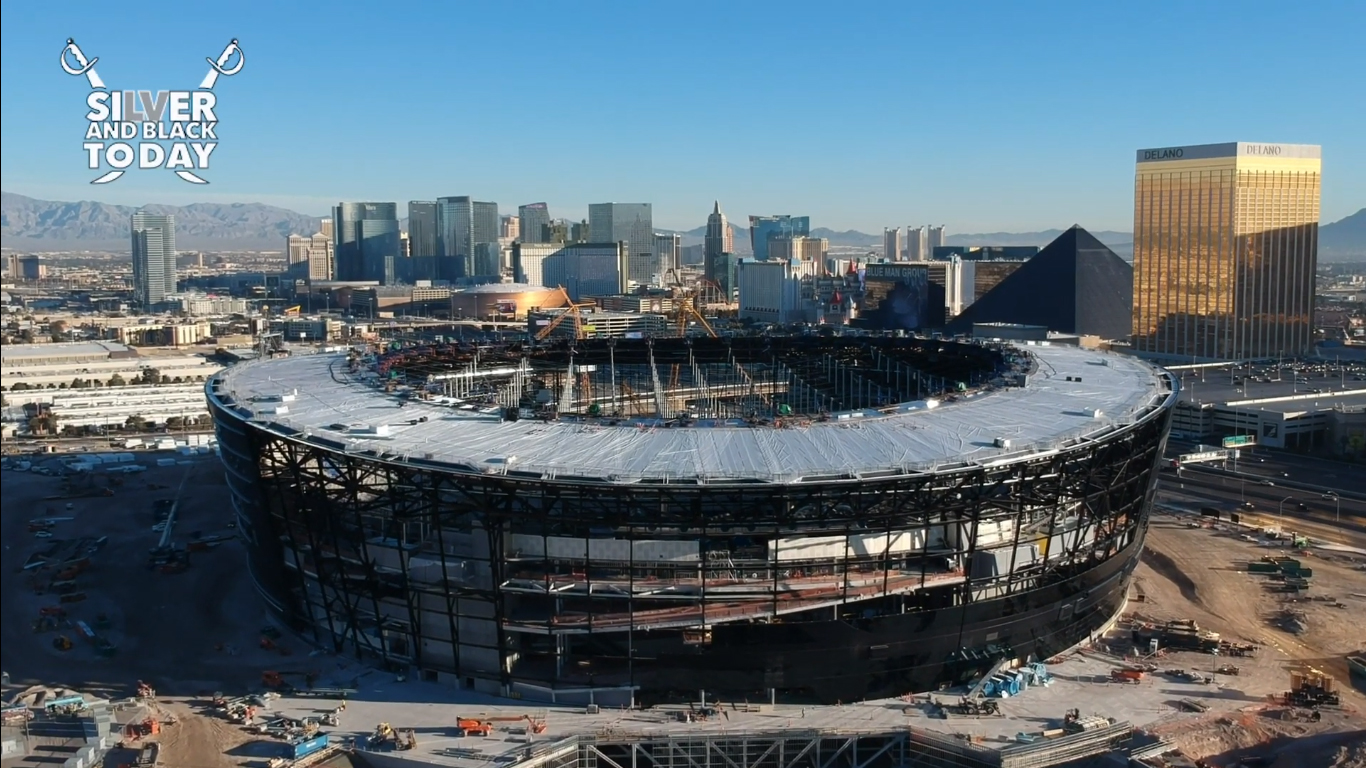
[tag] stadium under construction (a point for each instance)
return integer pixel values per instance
(613, 521)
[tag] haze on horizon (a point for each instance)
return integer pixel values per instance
(989, 117)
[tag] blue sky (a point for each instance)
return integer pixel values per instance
(982, 116)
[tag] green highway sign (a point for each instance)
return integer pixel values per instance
(1240, 441)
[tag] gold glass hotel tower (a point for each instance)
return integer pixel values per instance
(1225, 248)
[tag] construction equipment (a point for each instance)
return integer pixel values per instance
(468, 726)
(979, 707)
(142, 729)
(383, 734)
(61, 643)
(535, 725)
(1312, 688)
(1127, 675)
(1073, 722)
(146, 691)
(573, 310)
(273, 679)
(686, 305)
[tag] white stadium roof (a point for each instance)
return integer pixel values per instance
(1074, 395)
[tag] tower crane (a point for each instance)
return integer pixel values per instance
(574, 309)
(685, 305)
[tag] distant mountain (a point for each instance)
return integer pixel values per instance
(49, 225)
(1345, 239)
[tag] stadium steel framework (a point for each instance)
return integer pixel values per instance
(579, 588)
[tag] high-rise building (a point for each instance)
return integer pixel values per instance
(918, 244)
(891, 244)
(422, 239)
(454, 222)
(309, 257)
(630, 223)
(668, 251)
(577, 232)
(720, 239)
(510, 228)
(937, 237)
(487, 225)
(535, 223)
(154, 254)
(366, 246)
(582, 269)
(1225, 250)
(325, 228)
(771, 290)
(765, 228)
(798, 247)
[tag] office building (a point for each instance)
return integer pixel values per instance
(762, 229)
(1076, 285)
(309, 257)
(936, 237)
(534, 223)
(1225, 250)
(576, 232)
(771, 290)
(891, 244)
(720, 238)
(367, 245)
(154, 254)
(630, 223)
(422, 239)
(798, 247)
(918, 244)
(668, 250)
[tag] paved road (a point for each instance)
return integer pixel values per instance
(1271, 464)
(1320, 516)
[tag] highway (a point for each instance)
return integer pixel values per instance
(1274, 465)
(1320, 517)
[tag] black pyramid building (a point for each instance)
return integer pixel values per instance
(1074, 285)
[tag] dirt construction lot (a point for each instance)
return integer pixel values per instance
(1201, 573)
(186, 633)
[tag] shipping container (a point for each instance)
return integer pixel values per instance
(307, 747)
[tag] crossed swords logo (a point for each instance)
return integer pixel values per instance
(86, 66)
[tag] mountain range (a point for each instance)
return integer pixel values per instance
(46, 225)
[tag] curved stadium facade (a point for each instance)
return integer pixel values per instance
(818, 519)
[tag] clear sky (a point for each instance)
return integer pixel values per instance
(980, 115)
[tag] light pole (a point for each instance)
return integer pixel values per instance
(1337, 502)
(1280, 514)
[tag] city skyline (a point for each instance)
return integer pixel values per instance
(1021, 170)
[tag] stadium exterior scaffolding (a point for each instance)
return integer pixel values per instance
(830, 520)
